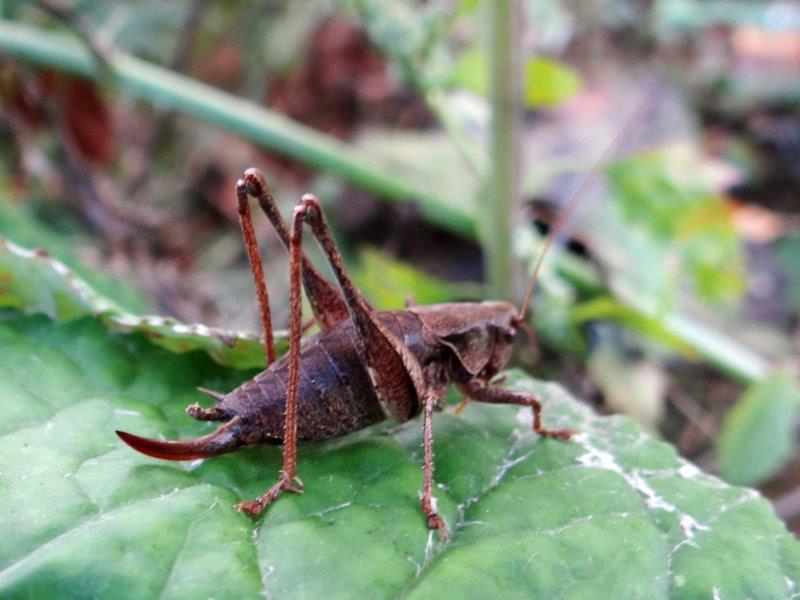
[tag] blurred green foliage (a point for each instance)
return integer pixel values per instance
(390, 283)
(413, 36)
(758, 434)
(609, 308)
(788, 251)
(546, 82)
(23, 222)
(687, 227)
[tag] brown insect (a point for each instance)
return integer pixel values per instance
(363, 367)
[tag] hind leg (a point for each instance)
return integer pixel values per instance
(327, 303)
(254, 257)
(288, 480)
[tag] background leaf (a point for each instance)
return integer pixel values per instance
(389, 283)
(757, 435)
(20, 223)
(788, 251)
(680, 222)
(612, 513)
(546, 82)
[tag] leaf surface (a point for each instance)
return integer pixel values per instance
(611, 513)
(35, 281)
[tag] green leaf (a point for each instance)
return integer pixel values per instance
(675, 223)
(757, 436)
(470, 71)
(610, 513)
(32, 280)
(23, 223)
(548, 82)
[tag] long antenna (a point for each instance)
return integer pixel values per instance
(578, 196)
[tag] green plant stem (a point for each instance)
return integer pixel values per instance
(502, 186)
(264, 127)
(729, 356)
(723, 352)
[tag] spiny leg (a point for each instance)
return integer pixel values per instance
(477, 390)
(288, 480)
(326, 301)
(427, 501)
(254, 257)
(396, 375)
(319, 227)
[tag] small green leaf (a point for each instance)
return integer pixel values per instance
(612, 513)
(468, 6)
(470, 71)
(547, 82)
(757, 436)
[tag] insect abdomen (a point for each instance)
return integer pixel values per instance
(335, 396)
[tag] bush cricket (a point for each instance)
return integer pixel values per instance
(364, 366)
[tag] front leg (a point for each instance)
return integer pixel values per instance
(478, 390)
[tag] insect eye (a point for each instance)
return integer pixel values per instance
(508, 336)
